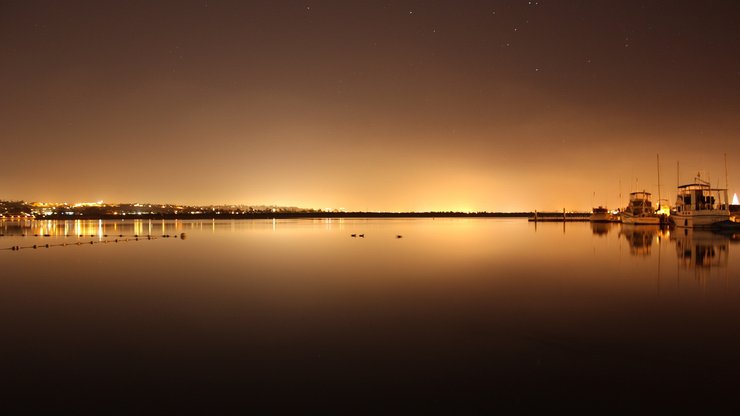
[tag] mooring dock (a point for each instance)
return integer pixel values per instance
(560, 217)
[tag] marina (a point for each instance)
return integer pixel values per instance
(697, 205)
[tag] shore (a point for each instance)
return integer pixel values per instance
(292, 215)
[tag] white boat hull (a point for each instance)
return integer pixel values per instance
(602, 217)
(627, 219)
(698, 219)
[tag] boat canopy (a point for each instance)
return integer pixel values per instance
(699, 187)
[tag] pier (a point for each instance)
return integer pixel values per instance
(560, 217)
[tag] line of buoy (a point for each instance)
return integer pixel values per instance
(182, 236)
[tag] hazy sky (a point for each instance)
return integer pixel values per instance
(366, 105)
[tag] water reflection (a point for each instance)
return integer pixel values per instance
(602, 228)
(144, 227)
(641, 238)
(301, 306)
(91, 228)
(696, 249)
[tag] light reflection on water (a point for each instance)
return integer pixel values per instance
(454, 309)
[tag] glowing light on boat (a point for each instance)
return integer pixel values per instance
(734, 200)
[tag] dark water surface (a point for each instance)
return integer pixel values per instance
(459, 315)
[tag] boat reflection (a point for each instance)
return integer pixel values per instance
(699, 249)
(640, 238)
(602, 228)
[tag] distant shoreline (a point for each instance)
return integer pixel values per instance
(299, 215)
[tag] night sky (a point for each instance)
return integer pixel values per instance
(366, 105)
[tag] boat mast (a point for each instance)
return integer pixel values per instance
(658, 181)
(678, 180)
(727, 186)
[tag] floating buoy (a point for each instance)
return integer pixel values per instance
(362, 235)
(183, 236)
(34, 246)
(399, 236)
(47, 246)
(353, 235)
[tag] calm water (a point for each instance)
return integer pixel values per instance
(463, 315)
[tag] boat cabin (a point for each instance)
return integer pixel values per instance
(700, 197)
(640, 202)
